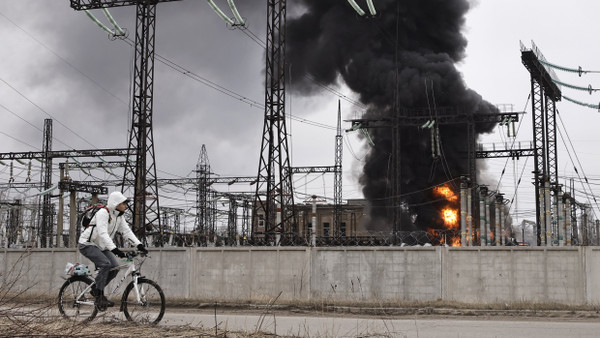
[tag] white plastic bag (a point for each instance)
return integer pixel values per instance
(69, 269)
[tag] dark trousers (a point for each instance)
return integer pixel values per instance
(104, 260)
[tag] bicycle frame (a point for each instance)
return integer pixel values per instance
(131, 271)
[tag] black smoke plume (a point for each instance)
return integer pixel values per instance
(401, 59)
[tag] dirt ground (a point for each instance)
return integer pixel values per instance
(409, 310)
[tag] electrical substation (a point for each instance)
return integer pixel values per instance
(400, 208)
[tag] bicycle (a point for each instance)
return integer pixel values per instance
(142, 301)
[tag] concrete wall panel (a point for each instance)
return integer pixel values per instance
(567, 275)
(423, 274)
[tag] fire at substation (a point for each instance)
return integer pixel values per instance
(421, 178)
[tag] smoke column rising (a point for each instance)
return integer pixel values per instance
(405, 54)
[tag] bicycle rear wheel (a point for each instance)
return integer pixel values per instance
(73, 302)
(151, 305)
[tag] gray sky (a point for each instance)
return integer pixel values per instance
(56, 63)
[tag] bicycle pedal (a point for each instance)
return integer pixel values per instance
(101, 308)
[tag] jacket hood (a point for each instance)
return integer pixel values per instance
(114, 199)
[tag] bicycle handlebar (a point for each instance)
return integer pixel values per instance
(131, 254)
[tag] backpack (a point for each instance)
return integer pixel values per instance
(86, 216)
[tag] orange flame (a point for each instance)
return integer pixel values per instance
(444, 237)
(450, 217)
(456, 241)
(446, 192)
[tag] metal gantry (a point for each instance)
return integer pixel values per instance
(46, 156)
(544, 94)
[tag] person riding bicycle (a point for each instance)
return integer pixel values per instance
(96, 243)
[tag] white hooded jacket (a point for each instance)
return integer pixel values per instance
(103, 226)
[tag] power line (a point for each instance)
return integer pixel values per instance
(589, 105)
(578, 161)
(578, 70)
(50, 115)
(14, 138)
(63, 59)
(512, 145)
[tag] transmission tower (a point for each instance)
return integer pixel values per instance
(544, 94)
(337, 179)
(46, 219)
(202, 207)
(142, 174)
(274, 174)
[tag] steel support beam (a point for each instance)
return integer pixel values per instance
(96, 4)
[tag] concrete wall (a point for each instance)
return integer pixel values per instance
(569, 275)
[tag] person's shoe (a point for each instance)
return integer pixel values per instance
(101, 302)
(108, 302)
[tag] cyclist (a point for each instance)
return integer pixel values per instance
(96, 243)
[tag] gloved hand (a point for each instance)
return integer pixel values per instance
(142, 249)
(118, 252)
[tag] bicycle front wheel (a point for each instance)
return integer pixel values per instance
(75, 301)
(149, 308)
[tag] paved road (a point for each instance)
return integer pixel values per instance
(344, 326)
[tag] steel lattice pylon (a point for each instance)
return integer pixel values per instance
(544, 94)
(202, 207)
(45, 227)
(337, 179)
(274, 174)
(552, 154)
(141, 174)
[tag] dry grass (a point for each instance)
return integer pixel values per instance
(366, 307)
(62, 328)
(382, 308)
(26, 314)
